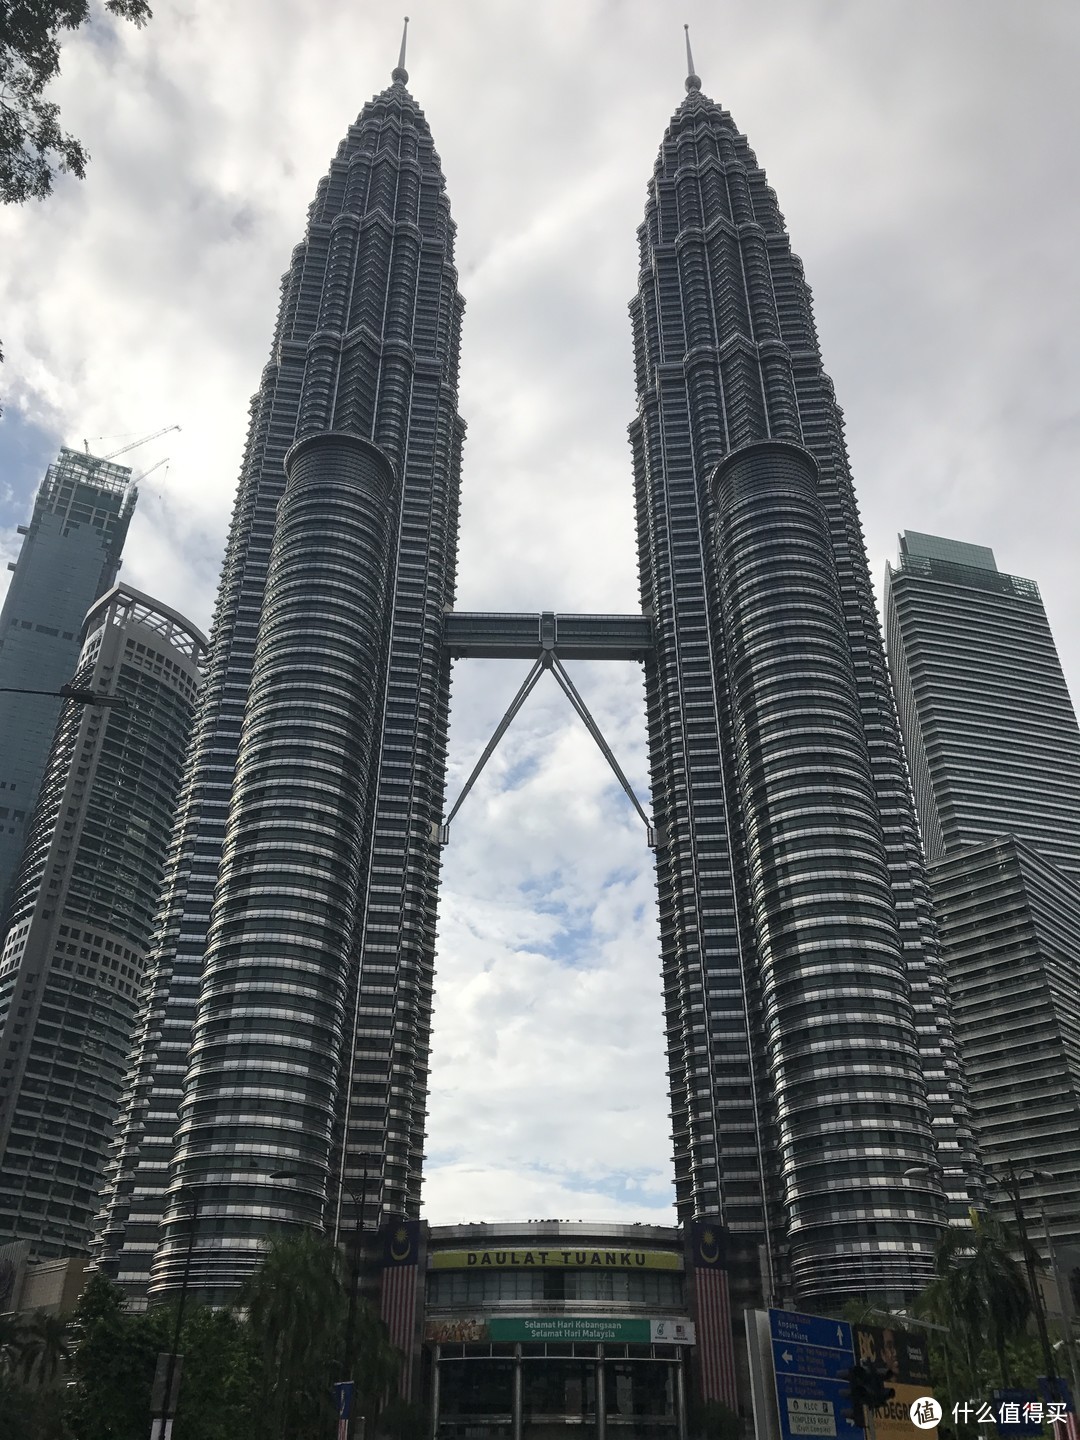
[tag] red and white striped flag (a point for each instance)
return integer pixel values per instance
(401, 1255)
(712, 1312)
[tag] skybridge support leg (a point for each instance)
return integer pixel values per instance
(549, 660)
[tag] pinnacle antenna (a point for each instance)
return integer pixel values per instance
(400, 73)
(692, 80)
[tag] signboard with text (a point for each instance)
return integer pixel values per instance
(553, 1258)
(811, 1357)
(561, 1329)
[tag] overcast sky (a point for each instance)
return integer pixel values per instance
(925, 154)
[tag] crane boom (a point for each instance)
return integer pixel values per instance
(146, 473)
(156, 435)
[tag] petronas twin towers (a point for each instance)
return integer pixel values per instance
(282, 1056)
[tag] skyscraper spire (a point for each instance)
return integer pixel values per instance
(796, 824)
(693, 80)
(354, 459)
(400, 73)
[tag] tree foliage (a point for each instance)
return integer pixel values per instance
(112, 1364)
(713, 1420)
(296, 1308)
(42, 1349)
(264, 1371)
(979, 1294)
(33, 146)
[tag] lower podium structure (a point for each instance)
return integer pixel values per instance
(549, 1328)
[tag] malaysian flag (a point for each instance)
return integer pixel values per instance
(712, 1311)
(401, 1256)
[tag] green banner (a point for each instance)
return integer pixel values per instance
(591, 1329)
(569, 1327)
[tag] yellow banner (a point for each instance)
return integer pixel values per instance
(548, 1259)
(893, 1421)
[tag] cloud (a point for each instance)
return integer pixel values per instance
(924, 158)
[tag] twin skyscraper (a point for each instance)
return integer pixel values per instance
(282, 1049)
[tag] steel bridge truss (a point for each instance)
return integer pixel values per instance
(548, 639)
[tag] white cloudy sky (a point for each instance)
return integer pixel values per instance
(926, 157)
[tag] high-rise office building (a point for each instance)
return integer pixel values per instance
(989, 726)
(70, 556)
(282, 1061)
(809, 1048)
(994, 749)
(288, 1015)
(1010, 931)
(74, 957)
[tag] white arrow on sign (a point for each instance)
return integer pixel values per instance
(787, 1357)
(839, 1337)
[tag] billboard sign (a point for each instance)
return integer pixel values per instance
(907, 1355)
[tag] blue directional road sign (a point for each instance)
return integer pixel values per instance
(811, 1357)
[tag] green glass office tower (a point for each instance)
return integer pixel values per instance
(69, 557)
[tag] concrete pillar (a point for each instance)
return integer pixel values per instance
(435, 1392)
(601, 1395)
(517, 1393)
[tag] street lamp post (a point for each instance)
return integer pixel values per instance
(80, 695)
(1064, 1302)
(1011, 1186)
(170, 1373)
(358, 1237)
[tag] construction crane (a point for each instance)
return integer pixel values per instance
(147, 473)
(156, 435)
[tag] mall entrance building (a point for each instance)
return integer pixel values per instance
(550, 1329)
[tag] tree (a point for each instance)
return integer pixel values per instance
(32, 145)
(219, 1393)
(713, 1420)
(979, 1293)
(44, 1345)
(374, 1365)
(295, 1311)
(10, 1340)
(113, 1355)
(403, 1420)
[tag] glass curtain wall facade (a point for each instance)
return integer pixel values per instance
(1010, 927)
(994, 749)
(73, 962)
(285, 1032)
(988, 722)
(811, 1059)
(70, 556)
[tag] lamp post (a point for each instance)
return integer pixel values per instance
(1010, 1183)
(934, 1172)
(1040, 1177)
(80, 695)
(358, 1236)
(170, 1372)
